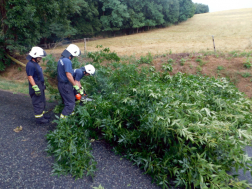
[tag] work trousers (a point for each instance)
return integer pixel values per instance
(38, 102)
(68, 97)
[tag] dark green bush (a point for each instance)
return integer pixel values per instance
(103, 54)
(145, 59)
(4, 61)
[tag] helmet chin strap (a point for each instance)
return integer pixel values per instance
(36, 60)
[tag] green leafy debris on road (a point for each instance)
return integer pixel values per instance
(183, 130)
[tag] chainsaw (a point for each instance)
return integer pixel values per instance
(83, 98)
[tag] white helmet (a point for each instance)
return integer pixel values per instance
(73, 50)
(90, 69)
(37, 52)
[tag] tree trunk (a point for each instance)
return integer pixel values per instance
(20, 63)
(4, 27)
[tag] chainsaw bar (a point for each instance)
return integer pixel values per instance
(83, 99)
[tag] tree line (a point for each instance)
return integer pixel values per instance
(25, 23)
(201, 8)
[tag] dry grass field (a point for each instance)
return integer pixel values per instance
(232, 30)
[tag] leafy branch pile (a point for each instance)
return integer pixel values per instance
(183, 130)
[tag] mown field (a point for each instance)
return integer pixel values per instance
(231, 30)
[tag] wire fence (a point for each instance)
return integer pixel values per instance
(86, 40)
(66, 42)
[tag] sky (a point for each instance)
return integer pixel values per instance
(220, 5)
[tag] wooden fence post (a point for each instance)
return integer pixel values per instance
(85, 47)
(213, 43)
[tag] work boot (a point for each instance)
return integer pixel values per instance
(47, 116)
(41, 120)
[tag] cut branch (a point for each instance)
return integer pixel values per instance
(16, 61)
(22, 64)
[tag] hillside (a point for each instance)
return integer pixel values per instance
(231, 30)
(190, 41)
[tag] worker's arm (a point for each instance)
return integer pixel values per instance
(70, 78)
(34, 86)
(31, 80)
(77, 83)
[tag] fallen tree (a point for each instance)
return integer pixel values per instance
(183, 130)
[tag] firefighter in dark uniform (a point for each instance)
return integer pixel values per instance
(78, 74)
(66, 82)
(36, 84)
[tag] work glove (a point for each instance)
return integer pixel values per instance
(81, 91)
(37, 90)
(76, 87)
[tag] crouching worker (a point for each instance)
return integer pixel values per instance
(66, 81)
(36, 84)
(78, 74)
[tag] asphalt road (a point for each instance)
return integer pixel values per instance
(25, 164)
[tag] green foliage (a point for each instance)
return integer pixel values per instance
(4, 61)
(200, 61)
(247, 64)
(199, 69)
(87, 23)
(172, 13)
(201, 8)
(103, 54)
(183, 128)
(51, 66)
(182, 61)
(170, 61)
(247, 74)
(71, 148)
(186, 9)
(115, 13)
(167, 67)
(172, 141)
(99, 187)
(145, 59)
(220, 68)
(246, 54)
(26, 23)
(234, 53)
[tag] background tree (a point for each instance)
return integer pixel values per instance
(186, 9)
(26, 23)
(136, 17)
(201, 8)
(113, 14)
(171, 15)
(87, 23)
(153, 14)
